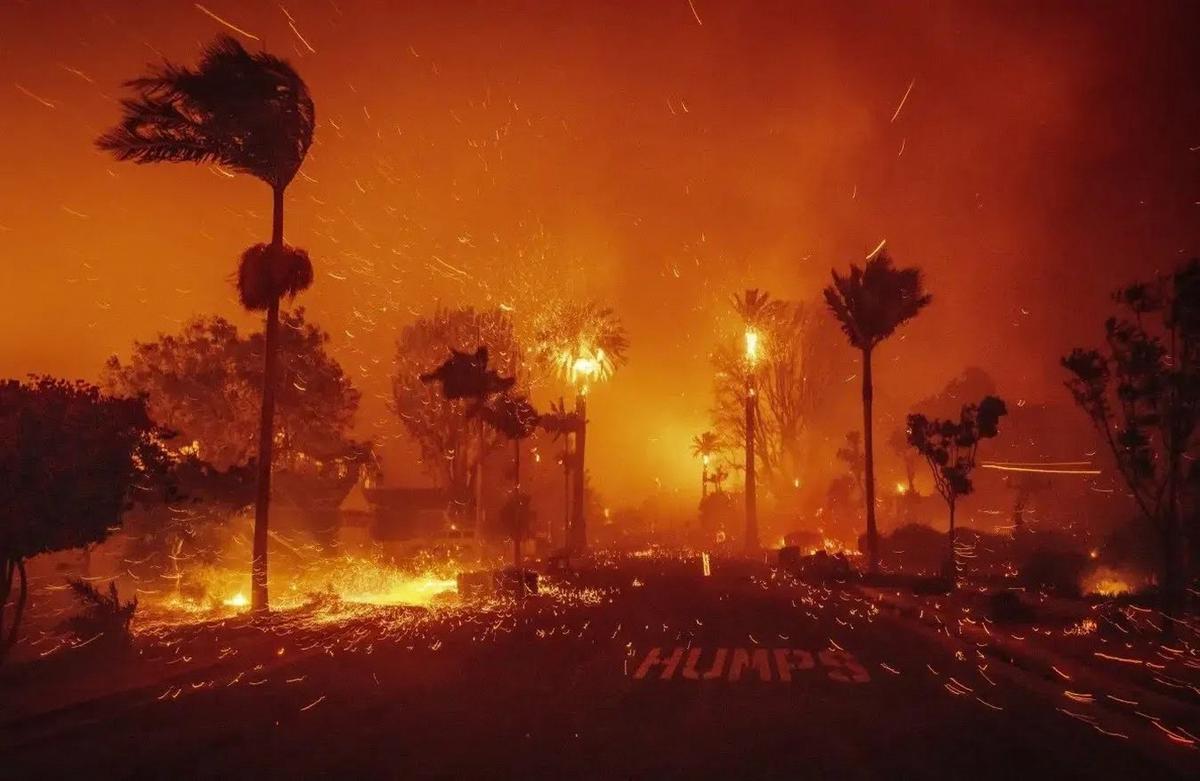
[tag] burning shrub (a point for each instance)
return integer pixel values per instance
(1108, 582)
(103, 615)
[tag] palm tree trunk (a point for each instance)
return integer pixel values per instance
(477, 498)
(751, 488)
(7, 642)
(568, 467)
(259, 602)
(868, 395)
(516, 507)
(578, 535)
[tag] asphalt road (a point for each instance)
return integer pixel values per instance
(771, 681)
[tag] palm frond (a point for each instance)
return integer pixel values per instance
(871, 303)
(249, 112)
(267, 273)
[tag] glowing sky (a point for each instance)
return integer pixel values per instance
(656, 155)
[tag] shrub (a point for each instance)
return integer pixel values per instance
(103, 615)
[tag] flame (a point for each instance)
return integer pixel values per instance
(1107, 582)
(237, 600)
(585, 365)
(751, 346)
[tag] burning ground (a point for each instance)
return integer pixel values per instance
(550, 684)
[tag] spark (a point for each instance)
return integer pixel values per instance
(875, 251)
(77, 72)
(692, 6)
(292, 24)
(903, 100)
(38, 98)
(228, 24)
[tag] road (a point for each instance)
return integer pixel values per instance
(771, 680)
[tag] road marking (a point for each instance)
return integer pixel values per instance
(741, 664)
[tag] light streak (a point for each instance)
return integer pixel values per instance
(903, 100)
(1039, 470)
(38, 98)
(228, 24)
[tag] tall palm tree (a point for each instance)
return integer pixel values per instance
(871, 303)
(251, 113)
(704, 447)
(756, 308)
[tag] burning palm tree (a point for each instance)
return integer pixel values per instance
(584, 343)
(251, 113)
(871, 303)
(755, 308)
(704, 447)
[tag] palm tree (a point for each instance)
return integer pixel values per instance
(871, 303)
(467, 376)
(516, 419)
(755, 308)
(559, 422)
(251, 113)
(584, 343)
(704, 447)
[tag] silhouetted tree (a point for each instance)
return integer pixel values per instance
(851, 455)
(972, 383)
(871, 303)
(103, 616)
(562, 423)
(453, 445)
(1143, 395)
(71, 462)
(251, 113)
(516, 419)
(949, 447)
(205, 383)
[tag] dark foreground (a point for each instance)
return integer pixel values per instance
(550, 690)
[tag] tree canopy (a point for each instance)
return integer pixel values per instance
(439, 425)
(873, 301)
(71, 461)
(206, 384)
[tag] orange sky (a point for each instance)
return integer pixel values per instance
(641, 155)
